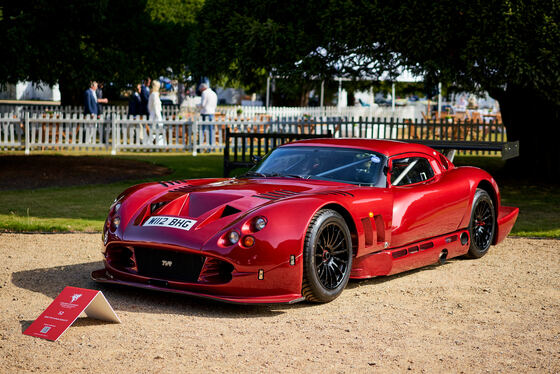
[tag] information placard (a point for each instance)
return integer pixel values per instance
(66, 308)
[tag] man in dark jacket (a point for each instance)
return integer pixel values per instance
(135, 101)
(145, 96)
(90, 99)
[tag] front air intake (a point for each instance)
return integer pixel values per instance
(176, 266)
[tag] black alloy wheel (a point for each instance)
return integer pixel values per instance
(327, 257)
(482, 226)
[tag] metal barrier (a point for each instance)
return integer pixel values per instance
(240, 148)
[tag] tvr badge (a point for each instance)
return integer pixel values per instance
(166, 263)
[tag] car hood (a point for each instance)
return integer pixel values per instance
(216, 206)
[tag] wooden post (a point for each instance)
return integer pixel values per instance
(26, 129)
(114, 135)
(195, 137)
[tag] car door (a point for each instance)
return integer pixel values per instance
(426, 204)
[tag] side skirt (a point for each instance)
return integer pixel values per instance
(396, 260)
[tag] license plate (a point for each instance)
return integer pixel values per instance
(172, 222)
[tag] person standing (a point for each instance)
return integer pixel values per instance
(135, 102)
(208, 105)
(145, 96)
(154, 108)
(90, 99)
(154, 103)
(100, 99)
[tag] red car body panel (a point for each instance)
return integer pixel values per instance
(394, 229)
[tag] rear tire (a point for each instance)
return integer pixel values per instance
(482, 225)
(327, 257)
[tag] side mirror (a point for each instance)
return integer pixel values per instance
(255, 159)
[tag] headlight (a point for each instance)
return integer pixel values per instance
(233, 237)
(260, 223)
(115, 222)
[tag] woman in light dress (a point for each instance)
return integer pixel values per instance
(154, 102)
(154, 108)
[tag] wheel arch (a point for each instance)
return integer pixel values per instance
(349, 221)
(489, 188)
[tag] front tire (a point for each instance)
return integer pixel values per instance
(327, 257)
(482, 225)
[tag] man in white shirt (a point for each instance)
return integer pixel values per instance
(208, 109)
(208, 103)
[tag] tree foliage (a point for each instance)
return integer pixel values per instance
(506, 47)
(106, 40)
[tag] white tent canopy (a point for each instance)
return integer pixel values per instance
(404, 76)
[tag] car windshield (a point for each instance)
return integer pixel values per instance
(348, 165)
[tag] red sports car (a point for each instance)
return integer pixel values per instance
(305, 219)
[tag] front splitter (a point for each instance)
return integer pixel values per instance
(101, 276)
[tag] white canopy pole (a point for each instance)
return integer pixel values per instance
(439, 101)
(339, 93)
(267, 92)
(322, 94)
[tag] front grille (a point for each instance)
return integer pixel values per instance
(169, 265)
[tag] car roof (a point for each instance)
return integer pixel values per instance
(385, 147)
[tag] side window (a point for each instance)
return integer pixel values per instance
(410, 170)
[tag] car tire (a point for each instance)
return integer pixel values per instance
(327, 257)
(482, 226)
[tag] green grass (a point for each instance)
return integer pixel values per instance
(539, 204)
(84, 208)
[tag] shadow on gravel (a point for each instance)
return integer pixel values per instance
(51, 281)
(382, 279)
(80, 322)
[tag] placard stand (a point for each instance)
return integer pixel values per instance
(66, 308)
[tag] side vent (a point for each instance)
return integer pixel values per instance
(399, 253)
(451, 239)
(426, 246)
(413, 249)
(229, 210)
(380, 228)
(275, 195)
(368, 231)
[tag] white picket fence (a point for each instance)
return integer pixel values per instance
(404, 112)
(51, 131)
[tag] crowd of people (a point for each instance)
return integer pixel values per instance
(145, 101)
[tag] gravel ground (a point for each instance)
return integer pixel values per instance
(497, 314)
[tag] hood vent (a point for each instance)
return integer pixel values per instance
(275, 195)
(338, 193)
(187, 188)
(172, 183)
(228, 211)
(156, 206)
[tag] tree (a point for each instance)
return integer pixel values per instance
(71, 43)
(506, 47)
